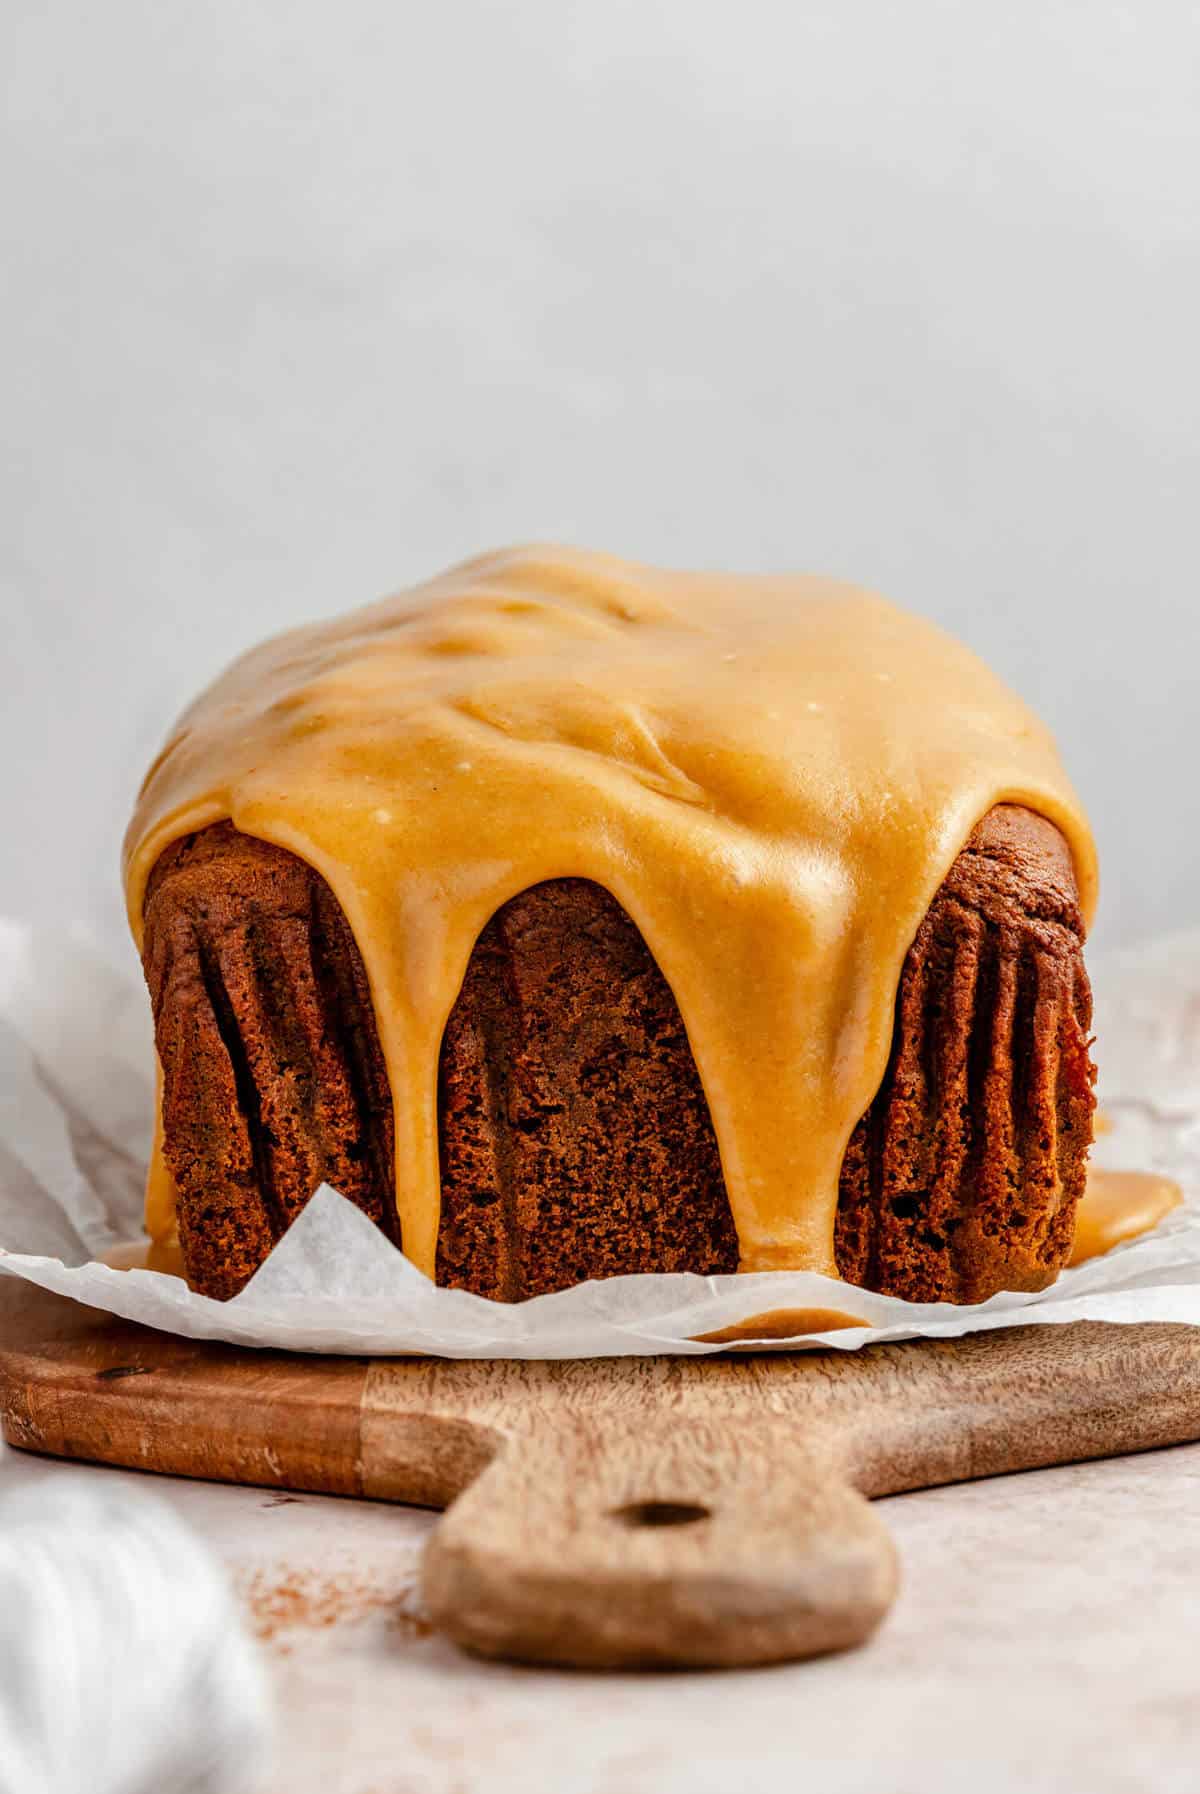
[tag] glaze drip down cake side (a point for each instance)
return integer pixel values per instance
(574, 918)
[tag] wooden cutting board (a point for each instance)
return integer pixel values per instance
(614, 1512)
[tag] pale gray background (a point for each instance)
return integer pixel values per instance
(300, 301)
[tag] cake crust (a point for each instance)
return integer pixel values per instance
(575, 1138)
(965, 1173)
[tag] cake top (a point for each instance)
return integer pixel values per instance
(772, 775)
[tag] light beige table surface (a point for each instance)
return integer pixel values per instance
(1047, 1638)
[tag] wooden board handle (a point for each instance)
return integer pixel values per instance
(616, 1546)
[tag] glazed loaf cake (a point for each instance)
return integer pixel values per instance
(575, 917)
(575, 1140)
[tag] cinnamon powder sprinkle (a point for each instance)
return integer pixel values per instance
(304, 1600)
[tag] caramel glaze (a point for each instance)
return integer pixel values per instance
(772, 775)
(783, 1323)
(1118, 1206)
(165, 1256)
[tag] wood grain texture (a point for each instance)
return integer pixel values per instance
(620, 1512)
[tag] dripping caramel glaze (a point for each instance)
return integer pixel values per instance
(772, 775)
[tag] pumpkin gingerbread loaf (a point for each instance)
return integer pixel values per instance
(574, 919)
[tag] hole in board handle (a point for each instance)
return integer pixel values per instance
(661, 1513)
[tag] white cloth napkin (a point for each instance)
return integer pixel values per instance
(123, 1665)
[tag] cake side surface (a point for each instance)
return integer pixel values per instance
(272, 1077)
(575, 1139)
(964, 1176)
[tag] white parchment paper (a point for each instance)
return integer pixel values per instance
(76, 1092)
